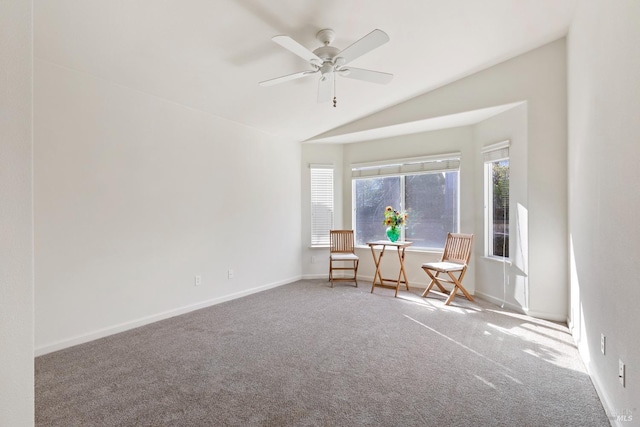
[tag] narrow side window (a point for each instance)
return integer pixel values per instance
(321, 204)
(496, 166)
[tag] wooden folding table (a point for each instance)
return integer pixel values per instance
(378, 280)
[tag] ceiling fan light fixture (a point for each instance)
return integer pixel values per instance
(326, 68)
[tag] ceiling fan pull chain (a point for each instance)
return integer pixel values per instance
(335, 100)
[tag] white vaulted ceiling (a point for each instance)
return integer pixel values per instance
(210, 55)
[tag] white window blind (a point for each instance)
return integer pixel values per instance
(439, 163)
(321, 204)
(496, 152)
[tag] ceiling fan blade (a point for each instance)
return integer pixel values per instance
(295, 47)
(366, 75)
(369, 42)
(286, 78)
(325, 87)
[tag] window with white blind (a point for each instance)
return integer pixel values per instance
(496, 206)
(427, 188)
(321, 204)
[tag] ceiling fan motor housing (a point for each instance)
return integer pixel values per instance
(326, 53)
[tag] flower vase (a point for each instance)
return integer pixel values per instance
(393, 233)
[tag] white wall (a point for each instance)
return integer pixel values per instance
(16, 214)
(499, 282)
(604, 201)
(539, 79)
(136, 195)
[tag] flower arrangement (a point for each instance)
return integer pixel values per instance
(393, 218)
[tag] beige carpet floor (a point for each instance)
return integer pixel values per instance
(305, 354)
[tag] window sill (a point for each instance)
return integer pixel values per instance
(319, 247)
(498, 260)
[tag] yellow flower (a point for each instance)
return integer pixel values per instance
(394, 218)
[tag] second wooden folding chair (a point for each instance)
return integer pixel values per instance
(454, 262)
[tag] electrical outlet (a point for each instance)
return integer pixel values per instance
(602, 343)
(198, 280)
(230, 274)
(621, 372)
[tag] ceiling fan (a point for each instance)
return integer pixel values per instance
(329, 61)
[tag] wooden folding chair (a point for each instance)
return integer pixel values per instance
(454, 262)
(342, 251)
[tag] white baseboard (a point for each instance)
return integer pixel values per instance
(537, 314)
(315, 276)
(104, 332)
(499, 302)
(617, 417)
(546, 316)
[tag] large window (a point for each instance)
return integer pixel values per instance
(427, 189)
(496, 167)
(321, 204)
